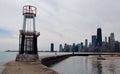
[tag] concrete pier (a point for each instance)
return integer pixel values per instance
(36, 67)
(54, 59)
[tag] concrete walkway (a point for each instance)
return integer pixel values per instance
(26, 68)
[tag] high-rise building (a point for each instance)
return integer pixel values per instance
(99, 38)
(66, 48)
(117, 49)
(112, 42)
(60, 48)
(52, 47)
(106, 43)
(94, 39)
(81, 45)
(73, 47)
(86, 43)
(109, 44)
(105, 39)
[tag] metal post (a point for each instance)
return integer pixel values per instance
(33, 24)
(24, 23)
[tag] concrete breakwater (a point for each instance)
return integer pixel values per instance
(38, 67)
(48, 61)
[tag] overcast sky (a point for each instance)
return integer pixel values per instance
(59, 21)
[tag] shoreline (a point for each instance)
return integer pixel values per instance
(105, 57)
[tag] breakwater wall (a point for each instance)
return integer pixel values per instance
(50, 60)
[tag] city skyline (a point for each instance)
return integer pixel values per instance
(97, 44)
(59, 22)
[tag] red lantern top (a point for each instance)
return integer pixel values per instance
(28, 9)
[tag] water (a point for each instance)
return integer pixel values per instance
(72, 65)
(5, 57)
(84, 65)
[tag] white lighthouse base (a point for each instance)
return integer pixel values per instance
(27, 57)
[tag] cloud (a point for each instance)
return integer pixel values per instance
(61, 21)
(5, 33)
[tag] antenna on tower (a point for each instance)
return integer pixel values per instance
(99, 26)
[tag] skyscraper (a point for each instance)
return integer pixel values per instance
(105, 39)
(52, 47)
(99, 38)
(106, 43)
(60, 48)
(73, 47)
(112, 42)
(86, 43)
(94, 39)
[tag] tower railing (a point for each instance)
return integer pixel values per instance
(29, 10)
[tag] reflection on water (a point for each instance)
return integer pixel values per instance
(84, 65)
(72, 65)
(111, 67)
(96, 67)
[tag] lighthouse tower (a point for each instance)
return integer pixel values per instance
(28, 50)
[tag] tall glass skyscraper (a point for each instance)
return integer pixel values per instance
(52, 47)
(112, 42)
(99, 38)
(86, 43)
(94, 39)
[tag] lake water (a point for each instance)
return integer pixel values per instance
(85, 65)
(73, 65)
